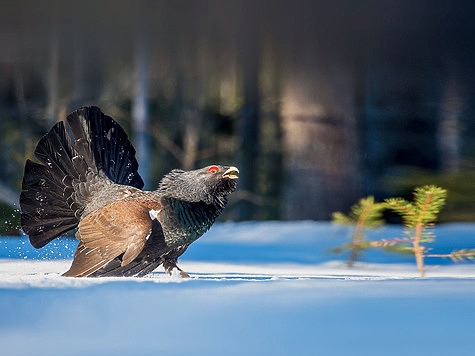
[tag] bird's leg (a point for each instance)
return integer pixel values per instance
(169, 265)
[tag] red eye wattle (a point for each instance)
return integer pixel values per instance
(213, 169)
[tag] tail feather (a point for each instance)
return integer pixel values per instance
(44, 212)
(56, 152)
(99, 138)
(42, 188)
(56, 192)
(41, 176)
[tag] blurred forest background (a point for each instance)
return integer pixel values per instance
(317, 102)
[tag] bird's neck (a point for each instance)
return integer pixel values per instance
(189, 220)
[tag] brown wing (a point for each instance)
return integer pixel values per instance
(121, 227)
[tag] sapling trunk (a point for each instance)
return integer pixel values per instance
(357, 237)
(418, 249)
(420, 227)
(366, 214)
(418, 216)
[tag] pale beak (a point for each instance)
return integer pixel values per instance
(231, 173)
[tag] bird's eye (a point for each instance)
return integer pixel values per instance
(213, 169)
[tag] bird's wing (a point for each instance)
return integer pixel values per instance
(122, 227)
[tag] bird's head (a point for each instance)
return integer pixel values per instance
(210, 184)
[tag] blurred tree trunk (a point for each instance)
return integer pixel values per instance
(79, 83)
(192, 98)
(140, 109)
(249, 119)
(271, 145)
(320, 134)
(448, 134)
(52, 80)
(191, 137)
(26, 150)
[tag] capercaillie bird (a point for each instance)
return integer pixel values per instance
(87, 179)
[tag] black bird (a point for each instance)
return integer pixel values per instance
(88, 179)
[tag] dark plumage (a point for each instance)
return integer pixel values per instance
(92, 183)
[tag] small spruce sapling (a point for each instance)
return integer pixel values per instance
(364, 215)
(418, 217)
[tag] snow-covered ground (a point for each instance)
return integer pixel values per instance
(256, 289)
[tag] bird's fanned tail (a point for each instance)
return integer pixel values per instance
(55, 192)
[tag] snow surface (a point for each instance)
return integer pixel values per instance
(256, 288)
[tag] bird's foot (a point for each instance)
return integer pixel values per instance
(183, 274)
(176, 270)
(169, 267)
